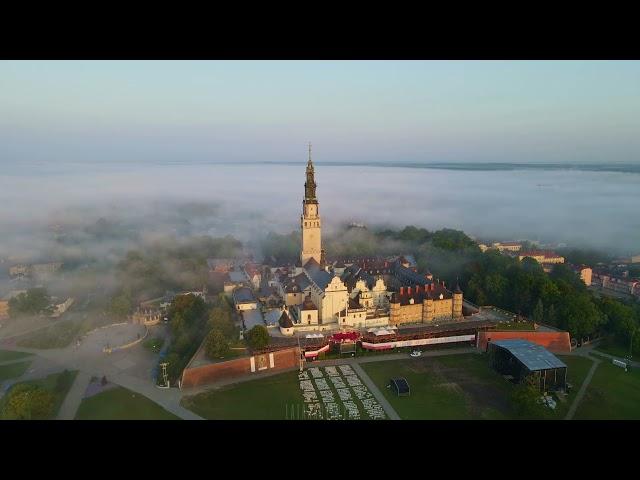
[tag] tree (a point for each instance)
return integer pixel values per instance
(33, 302)
(121, 305)
(187, 313)
(220, 319)
(525, 398)
(538, 312)
(258, 337)
(552, 318)
(28, 402)
(216, 345)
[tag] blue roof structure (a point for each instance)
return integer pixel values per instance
(243, 295)
(533, 356)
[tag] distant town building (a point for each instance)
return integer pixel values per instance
(585, 273)
(220, 265)
(543, 257)
(146, 316)
(35, 270)
(60, 308)
(4, 309)
(507, 246)
(629, 286)
(253, 273)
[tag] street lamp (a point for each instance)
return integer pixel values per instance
(631, 342)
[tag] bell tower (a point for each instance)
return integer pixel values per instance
(310, 219)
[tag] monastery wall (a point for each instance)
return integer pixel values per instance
(256, 364)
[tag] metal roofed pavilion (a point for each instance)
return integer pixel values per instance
(534, 357)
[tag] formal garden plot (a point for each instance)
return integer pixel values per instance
(332, 371)
(322, 384)
(337, 382)
(337, 393)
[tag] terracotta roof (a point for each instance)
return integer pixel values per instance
(419, 295)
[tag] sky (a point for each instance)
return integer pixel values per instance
(238, 111)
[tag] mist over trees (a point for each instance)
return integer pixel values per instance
(34, 301)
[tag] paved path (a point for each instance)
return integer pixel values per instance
(56, 360)
(613, 357)
(74, 397)
(391, 413)
(583, 389)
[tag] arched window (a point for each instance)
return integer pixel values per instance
(309, 317)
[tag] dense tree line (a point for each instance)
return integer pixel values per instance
(560, 299)
(35, 301)
(188, 325)
(223, 331)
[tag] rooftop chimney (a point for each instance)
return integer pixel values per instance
(401, 290)
(409, 291)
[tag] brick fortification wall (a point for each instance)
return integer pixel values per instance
(557, 342)
(206, 374)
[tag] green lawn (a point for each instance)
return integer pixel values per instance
(461, 387)
(121, 404)
(13, 370)
(59, 335)
(614, 348)
(62, 333)
(449, 387)
(50, 383)
(262, 399)
(577, 369)
(7, 355)
(613, 394)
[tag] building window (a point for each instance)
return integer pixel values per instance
(309, 317)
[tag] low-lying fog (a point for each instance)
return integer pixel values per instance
(580, 208)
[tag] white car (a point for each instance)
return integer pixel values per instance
(415, 353)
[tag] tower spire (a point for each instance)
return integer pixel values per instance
(310, 162)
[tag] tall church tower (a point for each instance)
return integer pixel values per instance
(310, 219)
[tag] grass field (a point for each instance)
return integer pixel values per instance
(456, 387)
(263, 399)
(613, 394)
(614, 348)
(63, 332)
(13, 370)
(7, 355)
(460, 387)
(49, 383)
(121, 404)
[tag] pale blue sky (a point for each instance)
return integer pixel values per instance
(435, 111)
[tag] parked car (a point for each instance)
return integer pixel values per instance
(415, 353)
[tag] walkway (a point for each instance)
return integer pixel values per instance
(391, 413)
(583, 389)
(72, 401)
(51, 361)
